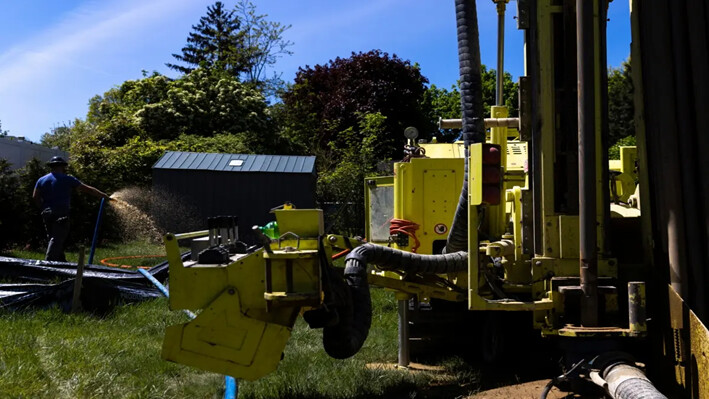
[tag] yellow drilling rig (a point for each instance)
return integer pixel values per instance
(521, 225)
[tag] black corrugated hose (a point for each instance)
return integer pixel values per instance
(345, 338)
(472, 107)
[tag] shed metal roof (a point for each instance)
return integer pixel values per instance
(236, 162)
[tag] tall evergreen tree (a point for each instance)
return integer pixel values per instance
(216, 42)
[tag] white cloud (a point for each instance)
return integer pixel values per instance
(88, 29)
(50, 76)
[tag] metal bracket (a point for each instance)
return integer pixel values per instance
(289, 233)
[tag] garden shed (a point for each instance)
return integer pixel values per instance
(244, 185)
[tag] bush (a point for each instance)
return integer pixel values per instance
(614, 150)
(341, 176)
(11, 205)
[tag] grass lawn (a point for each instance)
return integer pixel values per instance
(48, 354)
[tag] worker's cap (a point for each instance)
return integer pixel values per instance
(57, 161)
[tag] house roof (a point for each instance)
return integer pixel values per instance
(236, 162)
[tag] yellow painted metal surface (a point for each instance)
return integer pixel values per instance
(444, 150)
(699, 358)
(623, 185)
(498, 135)
(568, 236)
(475, 176)
(516, 157)
(497, 222)
(304, 222)
(515, 197)
(426, 192)
(424, 290)
(224, 340)
(248, 306)
(689, 352)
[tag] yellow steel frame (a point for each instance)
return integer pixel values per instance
(248, 306)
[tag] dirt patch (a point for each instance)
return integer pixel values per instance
(410, 367)
(527, 390)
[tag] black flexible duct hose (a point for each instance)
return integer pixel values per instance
(472, 107)
(386, 258)
(345, 338)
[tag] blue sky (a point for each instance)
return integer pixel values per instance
(57, 54)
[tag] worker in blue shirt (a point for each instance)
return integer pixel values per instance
(52, 194)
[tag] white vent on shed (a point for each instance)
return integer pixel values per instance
(236, 162)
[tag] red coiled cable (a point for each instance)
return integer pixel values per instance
(405, 227)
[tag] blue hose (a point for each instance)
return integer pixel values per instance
(157, 284)
(231, 388)
(95, 240)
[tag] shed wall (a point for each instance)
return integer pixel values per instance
(249, 196)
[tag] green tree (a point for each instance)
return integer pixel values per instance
(130, 126)
(621, 109)
(3, 132)
(11, 204)
(510, 91)
(443, 103)
(341, 178)
(206, 102)
(32, 231)
(264, 43)
(326, 100)
(614, 150)
(59, 137)
(113, 115)
(216, 42)
(20, 222)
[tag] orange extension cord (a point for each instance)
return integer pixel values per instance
(106, 262)
(406, 227)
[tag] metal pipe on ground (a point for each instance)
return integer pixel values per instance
(588, 262)
(404, 352)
